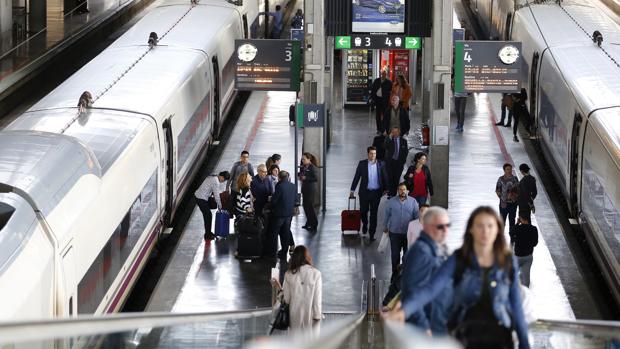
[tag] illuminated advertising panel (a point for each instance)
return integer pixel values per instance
(378, 16)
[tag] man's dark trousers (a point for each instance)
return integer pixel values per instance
(207, 216)
(395, 169)
(398, 242)
(369, 200)
(281, 226)
(379, 114)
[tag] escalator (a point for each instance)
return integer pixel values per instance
(249, 329)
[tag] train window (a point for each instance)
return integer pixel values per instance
(245, 27)
(6, 211)
(507, 27)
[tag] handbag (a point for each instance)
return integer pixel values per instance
(507, 101)
(384, 243)
(212, 203)
(282, 320)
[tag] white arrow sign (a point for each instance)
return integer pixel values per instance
(341, 41)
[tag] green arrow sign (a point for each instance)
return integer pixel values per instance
(343, 42)
(412, 42)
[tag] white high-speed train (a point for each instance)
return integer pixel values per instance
(574, 96)
(84, 196)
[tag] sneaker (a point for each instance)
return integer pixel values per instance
(499, 124)
(507, 125)
(515, 139)
(209, 236)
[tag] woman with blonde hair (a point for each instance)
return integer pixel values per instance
(243, 197)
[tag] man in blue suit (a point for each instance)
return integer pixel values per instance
(374, 178)
(282, 205)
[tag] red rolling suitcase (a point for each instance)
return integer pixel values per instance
(351, 218)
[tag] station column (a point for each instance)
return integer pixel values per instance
(313, 91)
(440, 102)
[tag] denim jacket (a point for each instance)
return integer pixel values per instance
(421, 262)
(505, 294)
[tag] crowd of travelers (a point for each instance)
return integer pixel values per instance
(474, 293)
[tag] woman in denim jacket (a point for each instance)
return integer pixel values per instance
(487, 302)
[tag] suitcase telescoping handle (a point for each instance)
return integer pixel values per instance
(354, 203)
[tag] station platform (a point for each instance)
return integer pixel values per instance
(206, 276)
(24, 57)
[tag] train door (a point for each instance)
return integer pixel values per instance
(533, 90)
(70, 283)
(167, 128)
(216, 97)
(574, 163)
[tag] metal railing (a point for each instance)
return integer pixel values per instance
(22, 331)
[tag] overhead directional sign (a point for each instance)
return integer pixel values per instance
(267, 65)
(378, 42)
(487, 66)
(343, 42)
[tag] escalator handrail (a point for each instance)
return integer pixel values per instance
(19, 331)
(593, 326)
(331, 336)
(406, 336)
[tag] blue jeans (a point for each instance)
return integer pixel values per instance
(511, 212)
(398, 242)
(421, 199)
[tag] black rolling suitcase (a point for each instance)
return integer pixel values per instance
(250, 236)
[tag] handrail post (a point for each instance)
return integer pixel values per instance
(372, 301)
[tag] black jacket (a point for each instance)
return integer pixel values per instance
(527, 191)
(283, 200)
(389, 149)
(386, 91)
(525, 237)
(362, 173)
(410, 183)
(403, 116)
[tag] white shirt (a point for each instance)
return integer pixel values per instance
(413, 232)
(211, 185)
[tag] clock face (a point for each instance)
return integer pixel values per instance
(508, 54)
(247, 52)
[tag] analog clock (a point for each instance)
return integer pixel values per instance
(247, 52)
(508, 54)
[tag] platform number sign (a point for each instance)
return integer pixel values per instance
(267, 65)
(467, 57)
(487, 66)
(372, 41)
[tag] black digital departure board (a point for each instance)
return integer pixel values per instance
(267, 65)
(487, 66)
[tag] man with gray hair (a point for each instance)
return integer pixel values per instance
(421, 262)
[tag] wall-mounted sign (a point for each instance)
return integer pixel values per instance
(378, 16)
(487, 66)
(311, 115)
(297, 34)
(378, 42)
(267, 65)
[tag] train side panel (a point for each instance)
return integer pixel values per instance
(600, 195)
